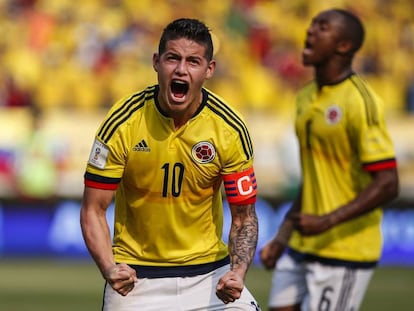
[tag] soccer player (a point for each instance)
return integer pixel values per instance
(163, 154)
(331, 233)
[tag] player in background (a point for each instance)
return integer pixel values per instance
(163, 154)
(332, 233)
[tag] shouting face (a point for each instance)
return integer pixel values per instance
(182, 70)
(324, 39)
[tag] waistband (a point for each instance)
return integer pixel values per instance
(299, 257)
(152, 272)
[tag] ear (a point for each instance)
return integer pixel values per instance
(210, 69)
(155, 61)
(344, 47)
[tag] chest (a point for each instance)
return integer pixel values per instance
(322, 120)
(161, 155)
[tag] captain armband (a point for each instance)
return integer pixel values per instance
(241, 187)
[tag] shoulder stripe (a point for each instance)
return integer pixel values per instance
(107, 135)
(123, 113)
(231, 118)
(125, 106)
(370, 104)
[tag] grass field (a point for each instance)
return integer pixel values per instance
(46, 285)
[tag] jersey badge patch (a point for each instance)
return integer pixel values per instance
(99, 154)
(203, 152)
(333, 115)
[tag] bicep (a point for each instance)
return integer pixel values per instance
(387, 180)
(96, 200)
(93, 212)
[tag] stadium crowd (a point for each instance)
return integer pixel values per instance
(60, 54)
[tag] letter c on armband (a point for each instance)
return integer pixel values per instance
(240, 186)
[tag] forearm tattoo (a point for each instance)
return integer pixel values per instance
(243, 236)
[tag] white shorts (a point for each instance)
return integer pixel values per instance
(177, 294)
(318, 287)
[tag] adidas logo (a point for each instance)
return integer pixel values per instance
(142, 146)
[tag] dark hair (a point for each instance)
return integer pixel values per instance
(354, 30)
(191, 29)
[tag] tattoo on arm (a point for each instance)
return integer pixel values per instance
(243, 237)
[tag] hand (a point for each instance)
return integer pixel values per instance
(122, 278)
(270, 253)
(310, 224)
(229, 287)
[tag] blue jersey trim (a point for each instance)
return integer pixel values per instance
(152, 272)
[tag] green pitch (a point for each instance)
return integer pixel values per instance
(46, 285)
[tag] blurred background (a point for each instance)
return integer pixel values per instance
(63, 63)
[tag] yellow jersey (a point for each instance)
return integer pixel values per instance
(342, 137)
(168, 202)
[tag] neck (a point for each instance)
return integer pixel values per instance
(179, 122)
(334, 70)
(181, 117)
(179, 113)
(332, 77)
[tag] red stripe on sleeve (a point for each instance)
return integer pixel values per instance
(99, 185)
(378, 166)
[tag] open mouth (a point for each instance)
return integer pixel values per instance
(307, 47)
(179, 88)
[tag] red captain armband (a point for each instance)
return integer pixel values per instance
(241, 188)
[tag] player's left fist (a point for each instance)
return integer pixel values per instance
(229, 287)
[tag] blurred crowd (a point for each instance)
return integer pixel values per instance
(86, 55)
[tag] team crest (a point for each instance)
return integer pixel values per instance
(203, 152)
(333, 115)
